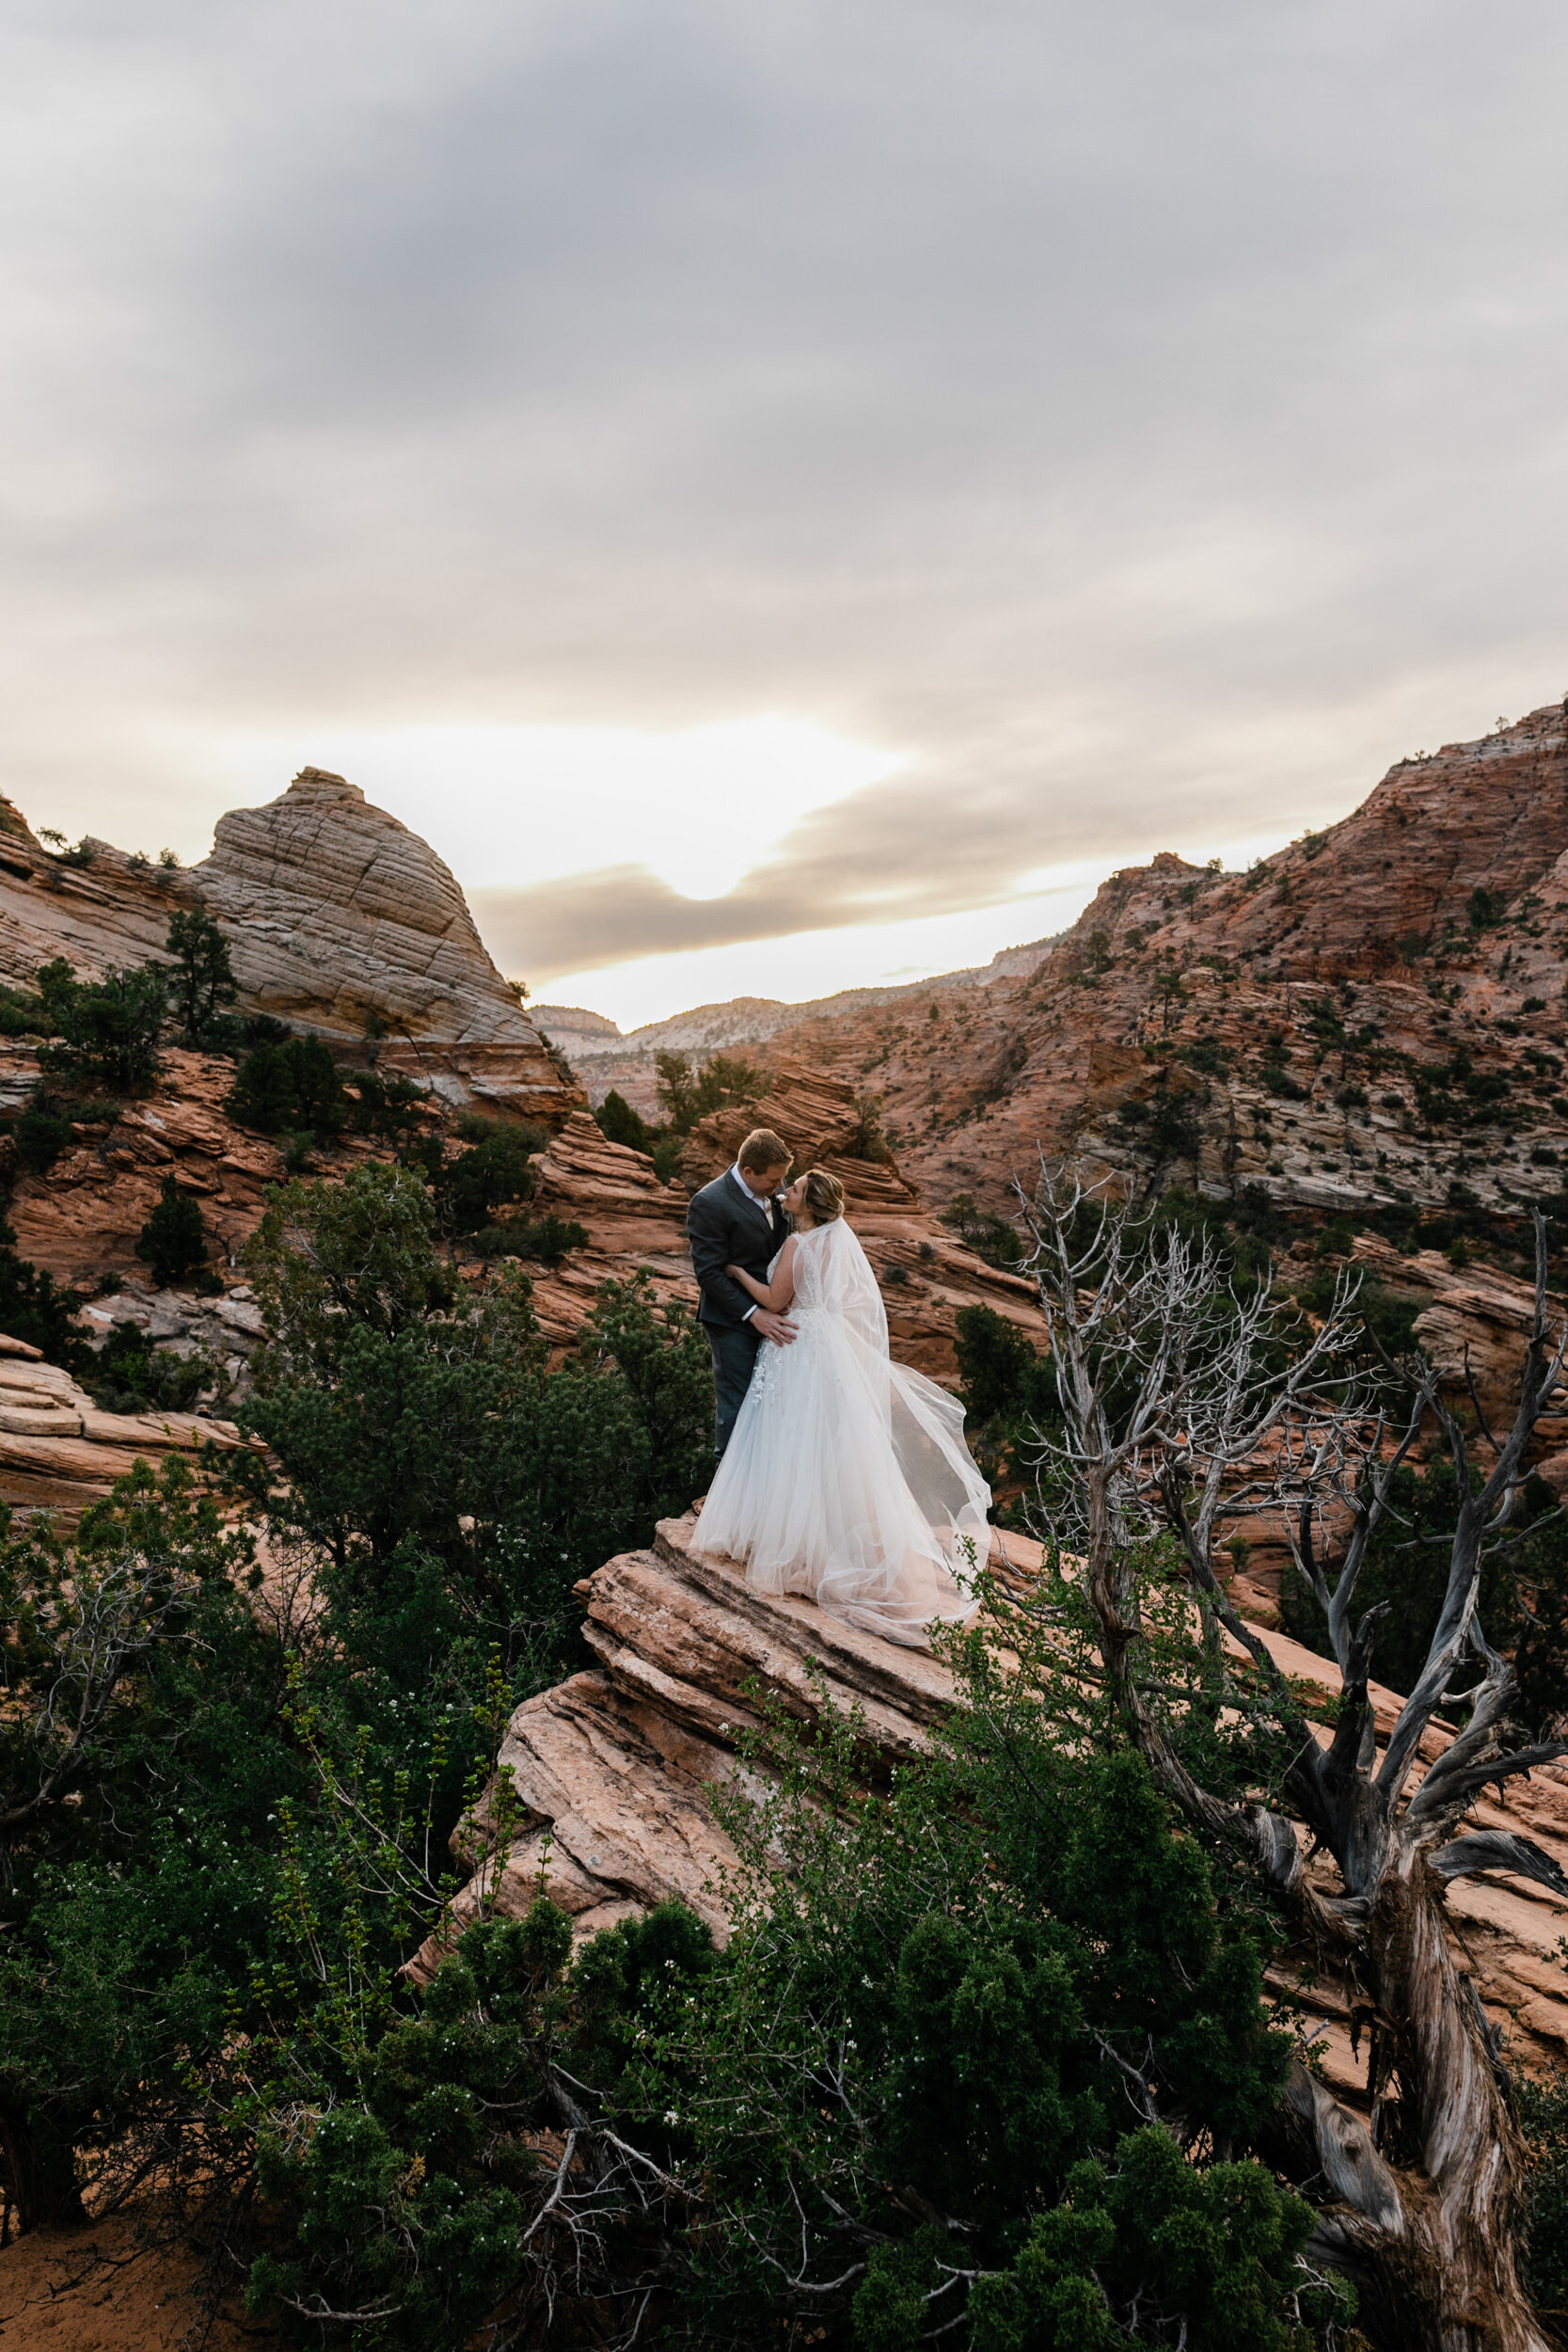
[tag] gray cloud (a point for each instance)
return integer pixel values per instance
(1149, 418)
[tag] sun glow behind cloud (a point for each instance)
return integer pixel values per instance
(807, 964)
(506, 807)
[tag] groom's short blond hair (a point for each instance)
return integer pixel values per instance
(763, 1149)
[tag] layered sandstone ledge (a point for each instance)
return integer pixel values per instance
(616, 1773)
(58, 1453)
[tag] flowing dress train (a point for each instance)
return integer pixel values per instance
(848, 1477)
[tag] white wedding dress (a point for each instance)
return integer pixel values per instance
(848, 1477)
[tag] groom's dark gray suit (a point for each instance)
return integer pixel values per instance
(729, 1226)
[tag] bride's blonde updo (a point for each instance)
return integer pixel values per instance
(824, 1196)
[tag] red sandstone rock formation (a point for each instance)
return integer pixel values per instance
(1175, 970)
(58, 1452)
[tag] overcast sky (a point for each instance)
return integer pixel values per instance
(779, 494)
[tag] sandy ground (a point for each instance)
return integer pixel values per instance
(98, 2290)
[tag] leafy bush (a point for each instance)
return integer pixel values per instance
(1278, 1081)
(174, 1240)
(494, 1173)
(41, 1133)
(394, 1107)
(22, 1015)
(33, 1309)
(1543, 2116)
(462, 1441)
(619, 1123)
(548, 1239)
(689, 1095)
(988, 1235)
(128, 1374)
(105, 1029)
(1009, 1393)
(289, 1087)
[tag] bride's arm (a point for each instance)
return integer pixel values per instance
(775, 1295)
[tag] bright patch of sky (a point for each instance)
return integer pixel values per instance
(701, 807)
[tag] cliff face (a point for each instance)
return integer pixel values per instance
(615, 1769)
(1369, 1016)
(334, 912)
(337, 914)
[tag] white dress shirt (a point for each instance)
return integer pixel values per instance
(760, 1201)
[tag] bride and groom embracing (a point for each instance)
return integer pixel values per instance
(841, 1475)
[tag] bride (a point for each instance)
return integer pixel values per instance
(848, 1477)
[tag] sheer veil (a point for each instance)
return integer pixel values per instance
(848, 1476)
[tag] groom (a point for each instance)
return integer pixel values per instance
(738, 1220)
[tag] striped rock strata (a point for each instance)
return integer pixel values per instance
(334, 912)
(58, 1453)
(337, 913)
(615, 1772)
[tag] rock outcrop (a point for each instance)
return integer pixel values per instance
(58, 1453)
(80, 1220)
(338, 917)
(110, 909)
(1298, 1017)
(339, 921)
(614, 1773)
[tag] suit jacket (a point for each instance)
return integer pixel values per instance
(728, 1227)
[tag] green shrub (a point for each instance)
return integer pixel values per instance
(494, 1173)
(22, 1015)
(619, 1123)
(1277, 1079)
(547, 1239)
(40, 1135)
(33, 1309)
(128, 1374)
(689, 1094)
(201, 980)
(174, 1240)
(981, 1230)
(105, 1029)
(394, 1107)
(290, 1086)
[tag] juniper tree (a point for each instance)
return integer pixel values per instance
(1181, 1403)
(202, 979)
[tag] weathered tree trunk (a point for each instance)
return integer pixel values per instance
(1427, 2226)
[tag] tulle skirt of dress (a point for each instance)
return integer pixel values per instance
(847, 1479)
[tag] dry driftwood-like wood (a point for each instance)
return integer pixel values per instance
(1171, 1398)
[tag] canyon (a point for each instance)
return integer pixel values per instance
(1359, 1020)
(1367, 1027)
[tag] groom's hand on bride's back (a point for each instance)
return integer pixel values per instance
(773, 1328)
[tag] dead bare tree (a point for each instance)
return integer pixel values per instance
(1178, 1400)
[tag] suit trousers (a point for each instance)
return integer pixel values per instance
(734, 1349)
